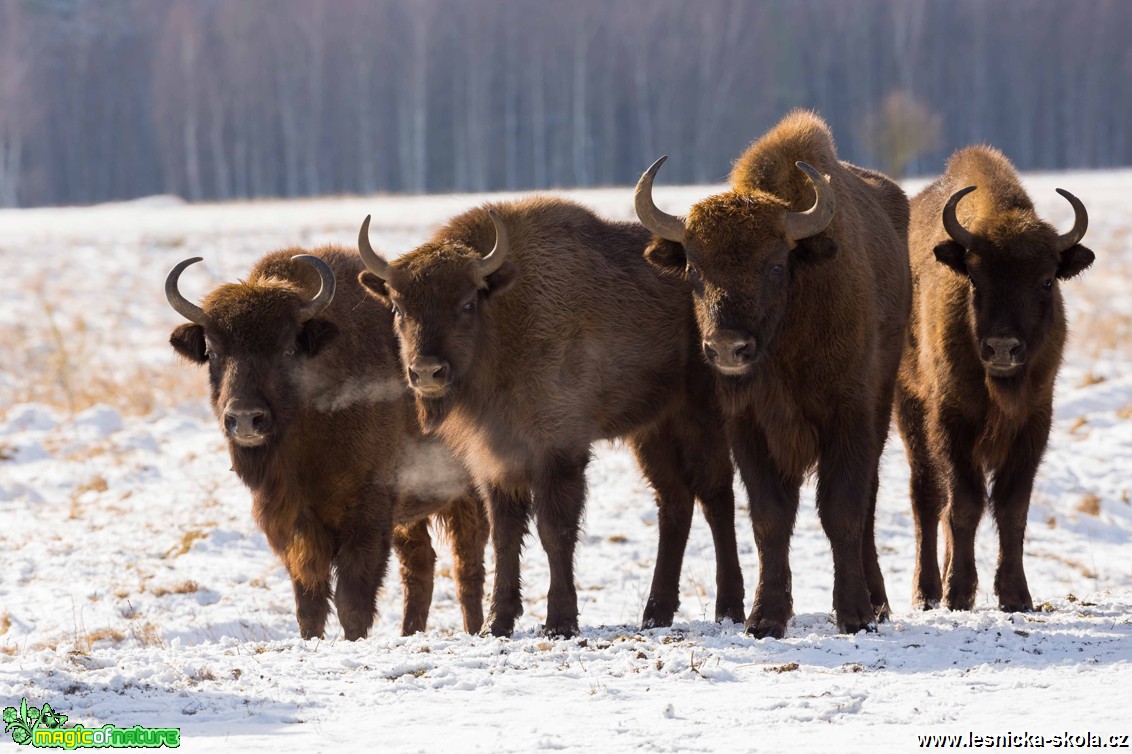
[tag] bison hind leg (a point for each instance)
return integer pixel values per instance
(467, 526)
(418, 563)
(927, 494)
(659, 460)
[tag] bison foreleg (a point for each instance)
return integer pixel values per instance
(560, 498)
(509, 510)
(965, 504)
(312, 605)
(773, 500)
(418, 563)
(361, 563)
(1010, 500)
(467, 526)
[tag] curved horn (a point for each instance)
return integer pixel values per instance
(801, 225)
(661, 223)
(374, 263)
(325, 294)
(180, 304)
(498, 255)
(1080, 223)
(958, 233)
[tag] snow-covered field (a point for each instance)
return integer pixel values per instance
(136, 589)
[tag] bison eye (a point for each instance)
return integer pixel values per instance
(776, 269)
(1047, 284)
(210, 354)
(289, 352)
(468, 307)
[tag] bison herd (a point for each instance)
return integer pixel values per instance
(773, 327)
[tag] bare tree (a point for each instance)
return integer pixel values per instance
(900, 130)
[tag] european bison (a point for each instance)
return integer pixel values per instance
(306, 382)
(801, 286)
(975, 393)
(531, 329)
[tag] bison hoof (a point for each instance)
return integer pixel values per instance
(731, 610)
(657, 617)
(856, 627)
(923, 602)
(959, 603)
(763, 628)
(499, 628)
(882, 612)
(1016, 606)
(566, 629)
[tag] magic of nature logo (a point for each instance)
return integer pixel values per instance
(44, 728)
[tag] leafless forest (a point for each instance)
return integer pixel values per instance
(214, 99)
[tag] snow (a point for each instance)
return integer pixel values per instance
(137, 589)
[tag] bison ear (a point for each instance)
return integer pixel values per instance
(316, 333)
(500, 280)
(188, 341)
(953, 255)
(374, 286)
(1074, 260)
(815, 249)
(666, 256)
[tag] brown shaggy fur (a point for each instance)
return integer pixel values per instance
(345, 471)
(575, 339)
(960, 423)
(823, 322)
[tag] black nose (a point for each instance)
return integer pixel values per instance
(240, 421)
(1003, 351)
(428, 372)
(729, 350)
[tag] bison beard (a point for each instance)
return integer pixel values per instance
(988, 275)
(557, 338)
(325, 476)
(801, 269)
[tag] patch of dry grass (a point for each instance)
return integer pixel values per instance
(1090, 505)
(71, 362)
(146, 634)
(1100, 333)
(1092, 378)
(186, 543)
(185, 587)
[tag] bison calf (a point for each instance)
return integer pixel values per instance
(801, 286)
(530, 330)
(306, 383)
(984, 345)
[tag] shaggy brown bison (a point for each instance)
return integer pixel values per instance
(528, 331)
(975, 393)
(306, 382)
(801, 286)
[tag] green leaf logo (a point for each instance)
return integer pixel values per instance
(49, 718)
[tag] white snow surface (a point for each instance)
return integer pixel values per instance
(136, 589)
